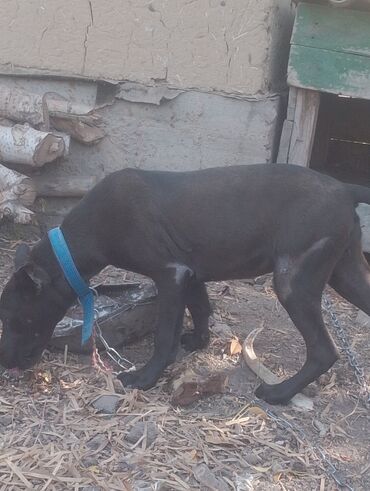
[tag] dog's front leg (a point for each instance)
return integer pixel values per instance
(171, 287)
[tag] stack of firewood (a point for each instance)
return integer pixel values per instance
(35, 130)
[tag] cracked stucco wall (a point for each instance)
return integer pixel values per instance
(222, 45)
(195, 130)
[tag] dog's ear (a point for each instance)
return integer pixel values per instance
(26, 269)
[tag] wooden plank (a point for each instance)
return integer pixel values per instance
(292, 101)
(341, 30)
(284, 145)
(287, 130)
(305, 119)
(329, 71)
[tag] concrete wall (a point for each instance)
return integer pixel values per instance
(232, 46)
(192, 131)
(227, 58)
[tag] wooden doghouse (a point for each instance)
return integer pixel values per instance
(330, 54)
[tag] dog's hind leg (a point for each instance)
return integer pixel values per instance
(351, 275)
(299, 283)
(197, 302)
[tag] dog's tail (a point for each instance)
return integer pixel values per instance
(360, 194)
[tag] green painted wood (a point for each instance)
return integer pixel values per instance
(329, 71)
(343, 30)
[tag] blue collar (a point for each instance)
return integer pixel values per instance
(84, 293)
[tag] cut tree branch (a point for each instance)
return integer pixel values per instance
(21, 106)
(22, 144)
(17, 193)
(79, 130)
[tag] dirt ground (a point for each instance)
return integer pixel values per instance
(52, 436)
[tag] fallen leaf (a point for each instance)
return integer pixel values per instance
(235, 347)
(277, 477)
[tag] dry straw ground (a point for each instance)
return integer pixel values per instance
(52, 437)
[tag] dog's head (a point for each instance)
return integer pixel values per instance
(30, 308)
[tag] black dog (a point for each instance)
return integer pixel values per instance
(184, 229)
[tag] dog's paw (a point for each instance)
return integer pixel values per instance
(273, 394)
(191, 342)
(136, 380)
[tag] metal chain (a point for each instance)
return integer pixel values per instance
(329, 467)
(119, 360)
(346, 348)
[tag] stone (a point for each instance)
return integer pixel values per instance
(137, 431)
(107, 404)
(251, 457)
(206, 477)
(124, 465)
(90, 460)
(244, 482)
(6, 419)
(96, 442)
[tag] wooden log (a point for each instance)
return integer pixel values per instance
(64, 187)
(21, 106)
(79, 130)
(90, 119)
(66, 140)
(25, 107)
(22, 144)
(17, 192)
(135, 317)
(60, 106)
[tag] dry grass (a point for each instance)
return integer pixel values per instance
(55, 439)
